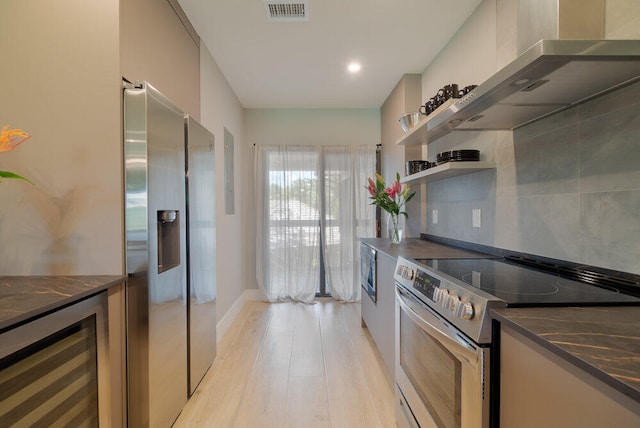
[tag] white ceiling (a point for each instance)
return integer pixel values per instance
(304, 64)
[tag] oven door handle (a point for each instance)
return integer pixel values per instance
(429, 323)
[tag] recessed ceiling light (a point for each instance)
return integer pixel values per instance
(521, 82)
(354, 67)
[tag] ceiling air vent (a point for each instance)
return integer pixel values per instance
(287, 10)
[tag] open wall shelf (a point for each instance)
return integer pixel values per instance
(447, 170)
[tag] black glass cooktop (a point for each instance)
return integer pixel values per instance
(522, 286)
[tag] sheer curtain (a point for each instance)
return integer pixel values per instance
(348, 216)
(288, 227)
(311, 201)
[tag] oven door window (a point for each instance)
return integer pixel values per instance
(434, 372)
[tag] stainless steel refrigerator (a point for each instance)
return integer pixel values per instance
(156, 217)
(201, 249)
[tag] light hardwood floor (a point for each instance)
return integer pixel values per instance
(294, 365)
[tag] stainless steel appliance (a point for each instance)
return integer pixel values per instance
(551, 76)
(158, 324)
(368, 270)
(201, 250)
(156, 257)
(444, 334)
(441, 372)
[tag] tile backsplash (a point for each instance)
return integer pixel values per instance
(565, 187)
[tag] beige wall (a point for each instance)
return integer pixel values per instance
(313, 126)
(221, 109)
(622, 20)
(404, 98)
(156, 47)
(60, 81)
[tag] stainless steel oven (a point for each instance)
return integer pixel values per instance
(440, 374)
(368, 270)
(443, 351)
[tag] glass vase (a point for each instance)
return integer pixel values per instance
(395, 228)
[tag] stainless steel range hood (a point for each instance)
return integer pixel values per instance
(551, 76)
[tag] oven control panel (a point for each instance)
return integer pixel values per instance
(426, 284)
(405, 272)
(453, 303)
(463, 305)
(432, 288)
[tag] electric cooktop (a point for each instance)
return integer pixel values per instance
(521, 286)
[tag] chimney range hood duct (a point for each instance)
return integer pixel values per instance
(551, 76)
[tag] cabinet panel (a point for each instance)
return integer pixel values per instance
(54, 369)
(379, 316)
(539, 389)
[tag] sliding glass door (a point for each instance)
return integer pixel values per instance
(309, 218)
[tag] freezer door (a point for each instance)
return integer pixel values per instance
(155, 220)
(201, 248)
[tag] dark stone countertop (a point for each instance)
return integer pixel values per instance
(26, 297)
(603, 341)
(416, 248)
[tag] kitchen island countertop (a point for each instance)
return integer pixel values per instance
(603, 341)
(26, 297)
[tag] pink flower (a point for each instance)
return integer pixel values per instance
(393, 190)
(390, 199)
(372, 188)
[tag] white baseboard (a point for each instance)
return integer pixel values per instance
(254, 295)
(232, 313)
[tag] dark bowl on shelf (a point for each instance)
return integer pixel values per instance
(463, 155)
(443, 157)
(414, 166)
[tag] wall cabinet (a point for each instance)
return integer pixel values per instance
(540, 389)
(378, 316)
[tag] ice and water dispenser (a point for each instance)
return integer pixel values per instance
(168, 239)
